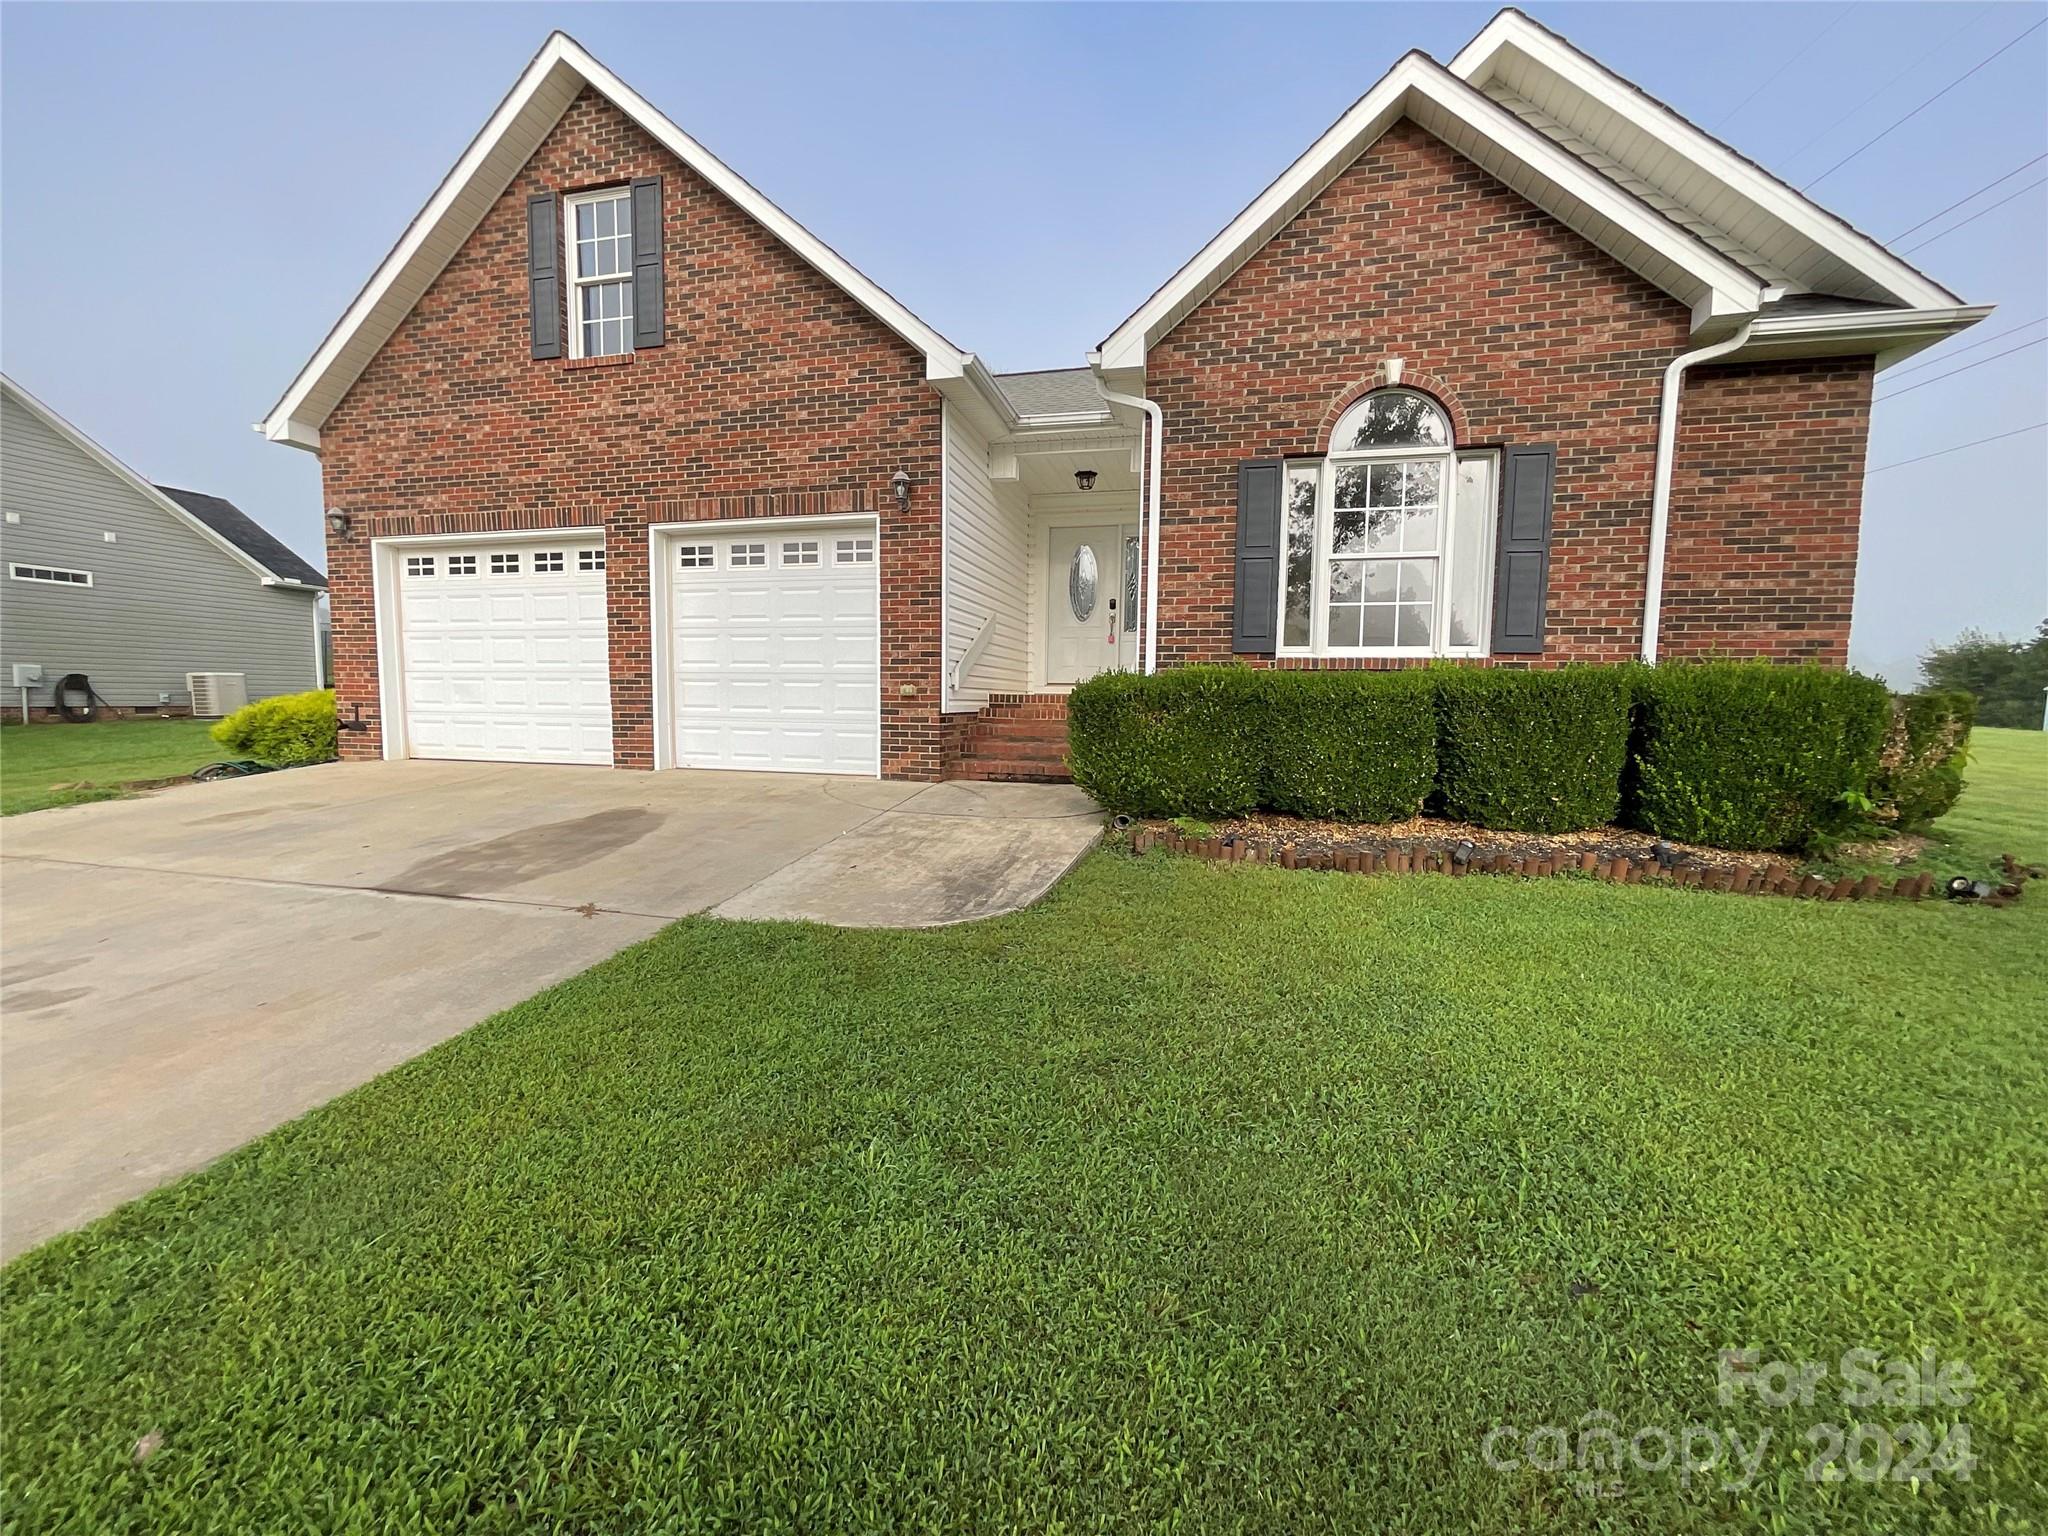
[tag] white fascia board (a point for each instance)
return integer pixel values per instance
(1893, 335)
(560, 57)
(143, 488)
(1715, 281)
(1511, 30)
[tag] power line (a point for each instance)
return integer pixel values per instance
(1771, 78)
(1952, 207)
(1994, 357)
(1919, 61)
(1930, 101)
(2032, 186)
(1953, 352)
(1959, 447)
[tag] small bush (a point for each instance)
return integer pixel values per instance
(1179, 743)
(1532, 751)
(285, 731)
(1920, 767)
(1348, 746)
(1752, 755)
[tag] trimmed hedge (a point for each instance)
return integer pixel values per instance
(1754, 755)
(1920, 768)
(1532, 751)
(286, 731)
(1179, 743)
(1348, 746)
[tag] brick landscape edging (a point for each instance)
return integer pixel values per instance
(1770, 879)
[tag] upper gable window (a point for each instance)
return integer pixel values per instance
(1391, 418)
(600, 259)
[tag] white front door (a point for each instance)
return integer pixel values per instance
(1090, 619)
(503, 651)
(776, 643)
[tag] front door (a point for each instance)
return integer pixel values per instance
(1091, 618)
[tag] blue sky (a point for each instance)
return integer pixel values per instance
(192, 193)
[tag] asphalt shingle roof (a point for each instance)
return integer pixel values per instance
(246, 534)
(1053, 392)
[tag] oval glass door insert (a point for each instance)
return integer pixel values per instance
(1081, 582)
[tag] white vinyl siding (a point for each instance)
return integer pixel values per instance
(987, 545)
(165, 599)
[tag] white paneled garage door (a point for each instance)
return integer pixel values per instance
(775, 639)
(503, 649)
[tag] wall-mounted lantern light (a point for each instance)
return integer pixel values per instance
(900, 484)
(337, 522)
(1085, 479)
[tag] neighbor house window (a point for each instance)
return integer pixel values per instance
(1389, 539)
(50, 574)
(599, 233)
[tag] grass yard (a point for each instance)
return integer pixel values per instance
(1200, 1197)
(99, 760)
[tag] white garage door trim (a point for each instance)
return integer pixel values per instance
(387, 565)
(662, 541)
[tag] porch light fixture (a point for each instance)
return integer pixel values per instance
(1085, 479)
(900, 484)
(337, 522)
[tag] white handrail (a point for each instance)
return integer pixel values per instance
(973, 652)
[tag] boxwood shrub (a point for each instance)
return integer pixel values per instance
(1180, 743)
(1348, 746)
(287, 731)
(1754, 755)
(1920, 767)
(1532, 751)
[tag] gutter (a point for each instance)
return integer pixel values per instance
(1158, 422)
(1660, 490)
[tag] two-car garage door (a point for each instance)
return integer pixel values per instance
(773, 655)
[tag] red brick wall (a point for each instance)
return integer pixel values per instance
(1528, 333)
(775, 394)
(1766, 500)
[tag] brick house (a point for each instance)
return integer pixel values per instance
(1513, 365)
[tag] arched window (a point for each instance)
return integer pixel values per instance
(1389, 538)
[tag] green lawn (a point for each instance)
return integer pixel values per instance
(102, 757)
(1200, 1197)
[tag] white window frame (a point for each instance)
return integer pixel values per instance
(1449, 458)
(48, 575)
(747, 555)
(696, 557)
(577, 282)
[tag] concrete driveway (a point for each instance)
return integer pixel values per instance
(180, 973)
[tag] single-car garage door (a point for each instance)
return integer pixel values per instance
(503, 650)
(776, 649)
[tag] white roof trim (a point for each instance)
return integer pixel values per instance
(1511, 30)
(147, 491)
(494, 158)
(1893, 335)
(1671, 257)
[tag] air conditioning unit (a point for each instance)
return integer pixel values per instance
(217, 693)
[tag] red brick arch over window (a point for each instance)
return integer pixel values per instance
(1411, 379)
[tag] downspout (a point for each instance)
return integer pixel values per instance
(1157, 420)
(1660, 486)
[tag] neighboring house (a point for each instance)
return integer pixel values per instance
(135, 585)
(625, 466)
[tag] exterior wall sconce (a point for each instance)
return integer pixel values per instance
(337, 522)
(900, 484)
(1085, 479)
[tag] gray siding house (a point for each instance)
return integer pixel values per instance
(135, 584)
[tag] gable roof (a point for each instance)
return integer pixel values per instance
(1054, 392)
(246, 534)
(1670, 202)
(258, 555)
(536, 102)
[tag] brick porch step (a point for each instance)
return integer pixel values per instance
(1018, 737)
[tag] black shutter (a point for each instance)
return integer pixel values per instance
(1255, 608)
(1523, 575)
(544, 275)
(649, 328)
